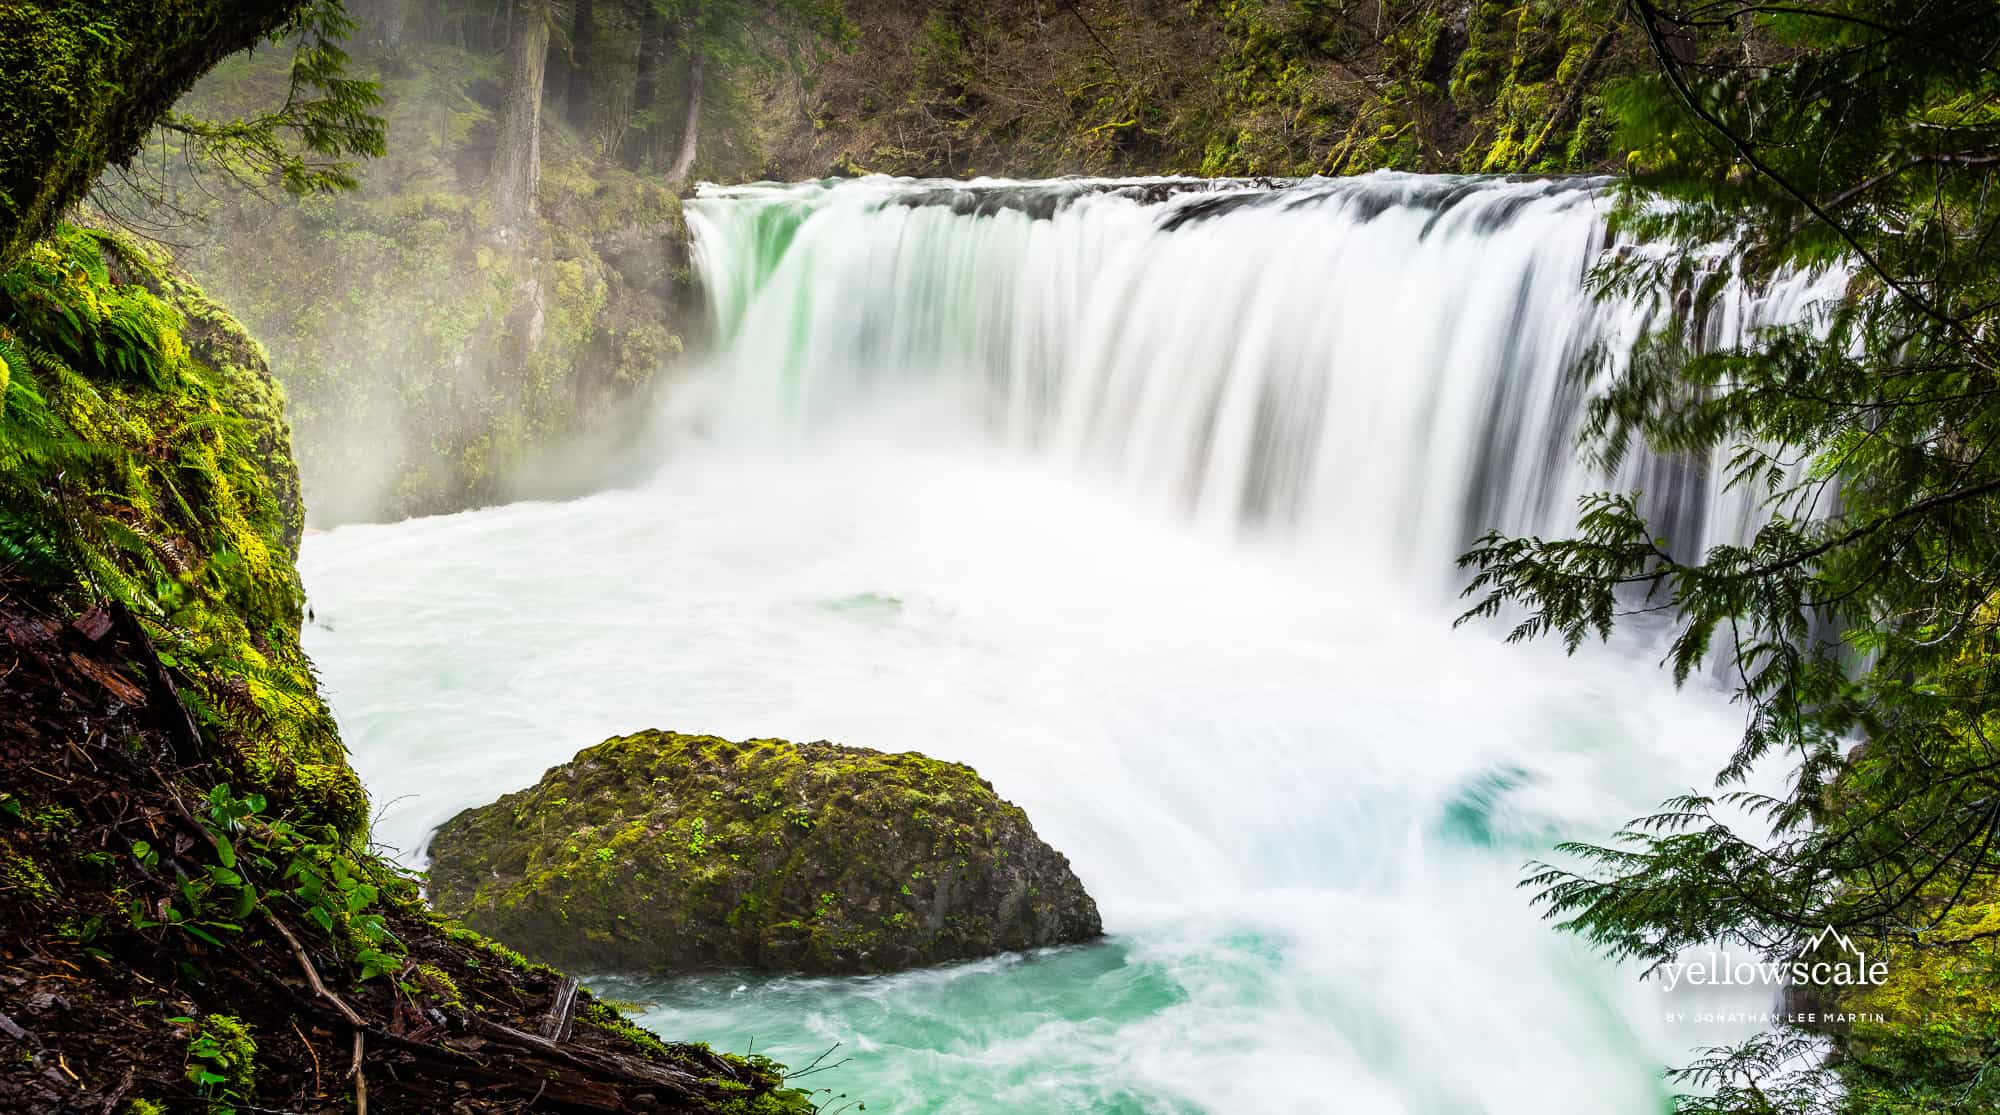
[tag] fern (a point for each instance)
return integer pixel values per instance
(75, 481)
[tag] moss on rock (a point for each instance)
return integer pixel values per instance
(660, 850)
(1936, 1017)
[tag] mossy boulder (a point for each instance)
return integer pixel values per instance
(665, 851)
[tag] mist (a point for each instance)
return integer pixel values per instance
(436, 355)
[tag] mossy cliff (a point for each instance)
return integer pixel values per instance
(1935, 1018)
(1214, 87)
(664, 851)
(433, 365)
(83, 81)
(1924, 1036)
(189, 918)
(149, 461)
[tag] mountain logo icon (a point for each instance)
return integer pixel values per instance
(1845, 943)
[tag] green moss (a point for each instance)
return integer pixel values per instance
(1934, 1022)
(781, 1101)
(52, 818)
(493, 949)
(1521, 75)
(148, 461)
(338, 790)
(222, 1062)
(605, 1017)
(762, 852)
(439, 987)
(23, 876)
(1217, 87)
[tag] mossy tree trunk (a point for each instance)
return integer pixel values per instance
(83, 81)
(517, 161)
(684, 159)
(384, 21)
(646, 81)
(582, 43)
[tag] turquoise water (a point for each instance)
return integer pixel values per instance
(931, 1039)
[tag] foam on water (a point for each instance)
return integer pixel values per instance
(1145, 510)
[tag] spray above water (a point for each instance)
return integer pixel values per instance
(928, 516)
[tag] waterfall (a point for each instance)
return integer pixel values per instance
(1380, 366)
(1142, 498)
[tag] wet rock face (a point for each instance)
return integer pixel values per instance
(662, 851)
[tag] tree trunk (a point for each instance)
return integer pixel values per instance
(646, 83)
(517, 161)
(582, 41)
(380, 20)
(684, 161)
(86, 81)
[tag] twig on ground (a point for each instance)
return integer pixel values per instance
(556, 1025)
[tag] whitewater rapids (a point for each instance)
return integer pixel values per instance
(1141, 498)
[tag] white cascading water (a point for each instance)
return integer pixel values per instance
(1142, 498)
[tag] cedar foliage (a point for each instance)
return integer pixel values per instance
(1863, 134)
